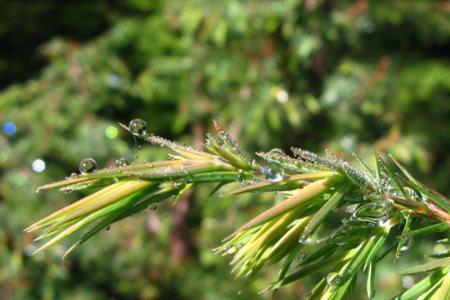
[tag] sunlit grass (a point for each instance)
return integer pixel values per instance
(383, 208)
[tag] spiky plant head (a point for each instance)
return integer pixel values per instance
(381, 208)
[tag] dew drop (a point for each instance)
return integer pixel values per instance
(121, 162)
(304, 239)
(301, 256)
(276, 152)
(87, 165)
(406, 244)
(138, 127)
(351, 208)
(271, 175)
(231, 249)
(240, 176)
(334, 279)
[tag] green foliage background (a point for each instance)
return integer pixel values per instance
(349, 76)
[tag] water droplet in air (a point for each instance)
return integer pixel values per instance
(138, 127)
(87, 165)
(334, 279)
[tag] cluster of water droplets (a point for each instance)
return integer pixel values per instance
(225, 140)
(331, 162)
(162, 142)
(412, 194)
(137, 127)
(311, 158)
(358, 177)
(121, 162)
(282, 161)
(385, 184)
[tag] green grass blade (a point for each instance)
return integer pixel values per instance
(323, 212)
(357, 262)
(314, 268)
(370, 282)
(136, 203)
(439, 200)
(290, 182)
(375, 249)
(422, 286)
(435, 228)
(303, 196)
(394, 179)
(435, 264)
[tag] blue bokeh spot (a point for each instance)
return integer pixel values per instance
(9, 128)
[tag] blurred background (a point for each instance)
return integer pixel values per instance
(348, 76)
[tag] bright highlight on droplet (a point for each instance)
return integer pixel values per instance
(111, 132)
(9, 128)
(38, 165)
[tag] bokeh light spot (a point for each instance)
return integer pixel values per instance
(9, 128)
(111, 132)
(38, 165)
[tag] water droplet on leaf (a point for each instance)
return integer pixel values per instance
(304, 239)
(301, 256)
(334, 279)
(406, 244)
(121, 162)
(271, 175)
(87, 165)
(351, 208)
(138, 127)
(231, 249)
(276, 152)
